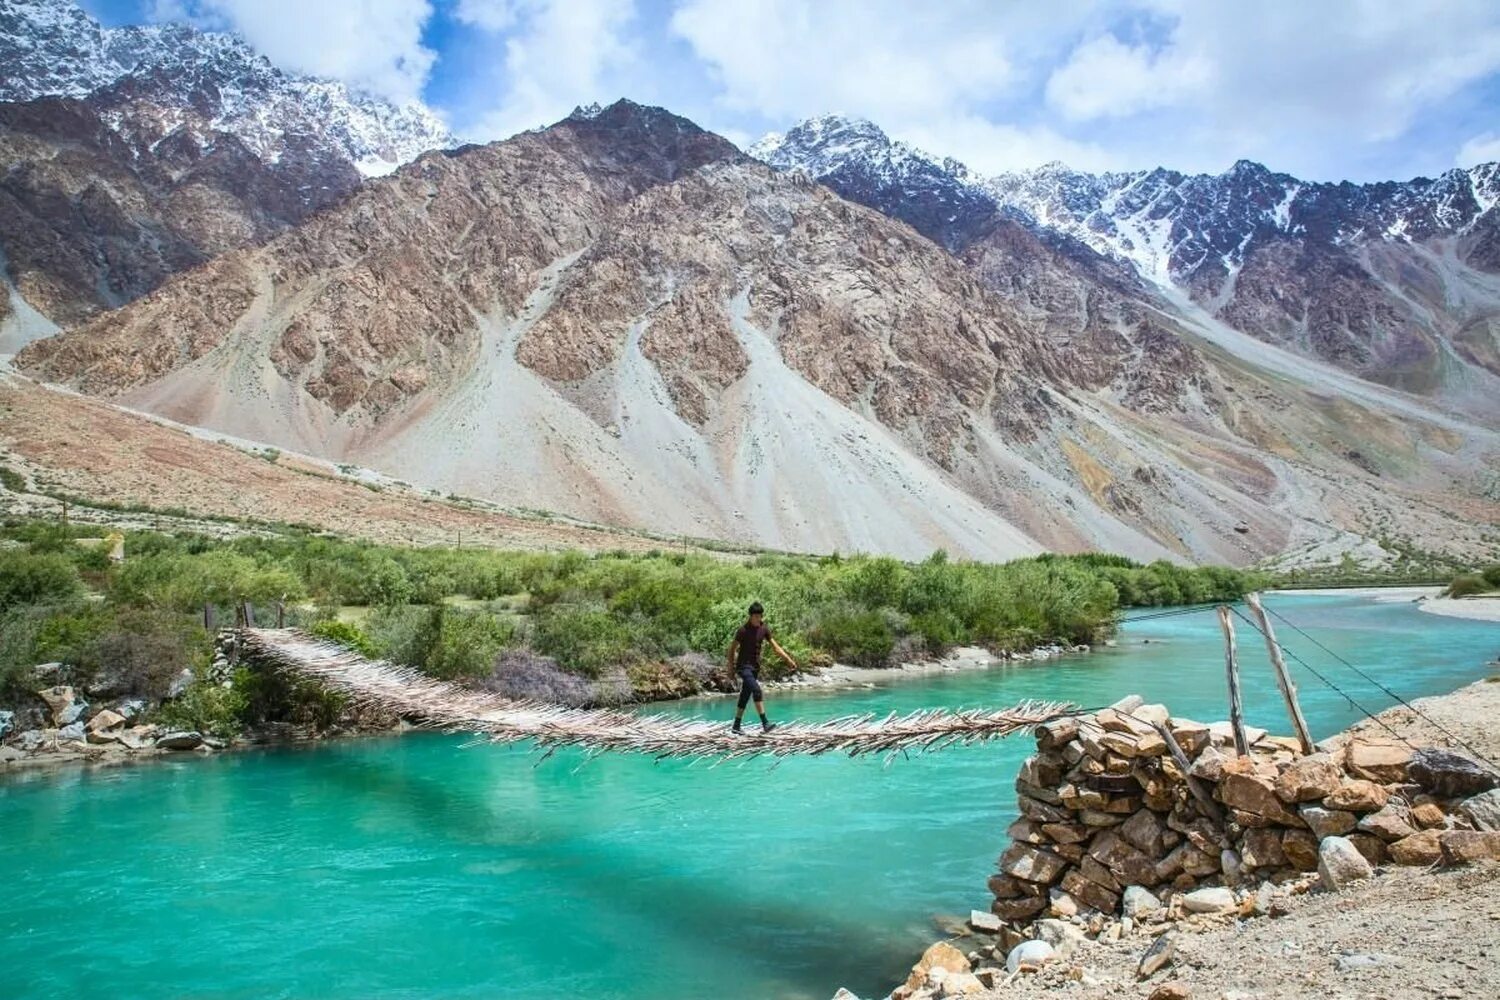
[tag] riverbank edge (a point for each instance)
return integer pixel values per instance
(1469, 710)
(838, 677)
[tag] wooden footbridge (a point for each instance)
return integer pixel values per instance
(440, 705)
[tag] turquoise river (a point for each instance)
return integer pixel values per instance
(416, 866)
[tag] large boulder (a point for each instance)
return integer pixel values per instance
(1029, 956)
(1309, 779)
(1254, 794)
(1462, 847)
(1418, 849)
(7, 723)
(1340, 863)
(1483, 810)
(1450, 775)
(61, 701)
(105, 721)
(131, 708)
(1391, 823)
(1328, 822)
(1129, 864)
(73, 732)
(180, 740)
(1383, 761)
(940, 956)
(1144, 831)
(1358, 796)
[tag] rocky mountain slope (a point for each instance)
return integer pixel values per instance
(623, 318)
(1397, 282)
(133, 153)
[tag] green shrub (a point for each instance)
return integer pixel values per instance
(1491, 576)
(863, 638)
(584, 639)
(467, 644)
(268, 696)
(28, 578)
(1466, 585)
(12, 480)
(206, 707)
(346, 634)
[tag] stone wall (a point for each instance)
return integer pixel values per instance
(1105, 806)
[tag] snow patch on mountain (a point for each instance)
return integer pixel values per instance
(53, 48)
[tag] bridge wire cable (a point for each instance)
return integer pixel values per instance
(1372, 716)
(1457, 740)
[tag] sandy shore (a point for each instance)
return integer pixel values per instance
(1483, 609)
(1382, 595)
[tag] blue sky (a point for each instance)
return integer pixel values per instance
(1326, 90)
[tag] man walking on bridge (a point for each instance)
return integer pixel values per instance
(744, 659)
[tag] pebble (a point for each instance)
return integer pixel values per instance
(1214, 899)
(1171, 990)
(1157, 957)
(1351, 961)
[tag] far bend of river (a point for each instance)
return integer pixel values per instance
(414, 867)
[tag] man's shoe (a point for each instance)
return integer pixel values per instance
(766, 727)
(736, 730)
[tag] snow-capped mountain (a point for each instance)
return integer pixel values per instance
(1398, 281)
(164, 76)
(134, 153)
(939, 197)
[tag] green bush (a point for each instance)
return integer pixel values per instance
(346, 634)
(1491, 576)
(584, 639)
(12, 480)
(862, 638)
(1466, 585)
(29, 578)
(467, 644)
(206, 707)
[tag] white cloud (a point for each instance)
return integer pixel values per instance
(491, 15)
(882, 58)
(1106, 78)
(560, 53)
(1483, 148)
(1347, 70)
(993, 148)
(374, 45)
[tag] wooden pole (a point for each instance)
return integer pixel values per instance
(1283, 676)
(1232, 666)
(1195, 785)
(281, 614)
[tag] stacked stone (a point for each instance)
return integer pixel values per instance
(1105, 805)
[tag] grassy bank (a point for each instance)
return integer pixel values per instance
(567, 626)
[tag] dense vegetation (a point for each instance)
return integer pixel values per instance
(580, 628)
(1480, 581)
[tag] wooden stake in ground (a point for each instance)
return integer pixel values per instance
(1232, 665)
(1283, 676)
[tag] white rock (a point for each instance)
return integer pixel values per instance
(1139, 901)
(1483, 810)
(1029, 954)
(1154, 714)
(1213, 899)
(844, 994)
(1229, 862)
(1340, 863)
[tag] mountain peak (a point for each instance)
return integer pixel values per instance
(53, 48)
